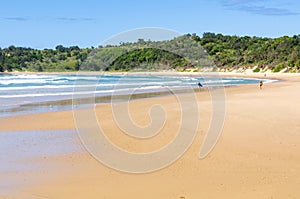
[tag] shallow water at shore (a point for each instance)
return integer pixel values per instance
(25, 152)
(27, 145)
(35, 93)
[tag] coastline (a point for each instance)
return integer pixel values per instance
(258, 150)
(65, 103)
(171, 73)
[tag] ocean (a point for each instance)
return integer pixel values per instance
(30, 93)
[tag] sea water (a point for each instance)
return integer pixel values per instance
(24, 157)
(29, 93)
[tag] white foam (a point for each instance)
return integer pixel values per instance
(89, 92)
(27, 76)
(53, 79)
(267, 81)
(22, 81)
(76, 86)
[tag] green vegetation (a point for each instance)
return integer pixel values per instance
(27, 59)
(256, 70)
(140, 59)
(180, 54)
(183, 53)
(234, 52)
(278, 68)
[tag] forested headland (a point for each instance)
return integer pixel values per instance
(226, 52)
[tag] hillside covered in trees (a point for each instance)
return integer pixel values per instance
(27, 59)
(266, 53)
(181, 54)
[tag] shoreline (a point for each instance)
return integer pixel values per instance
(66, 104)
(258, 150)
(280, 77)
(168, 73)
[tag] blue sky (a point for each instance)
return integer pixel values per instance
(45, 24)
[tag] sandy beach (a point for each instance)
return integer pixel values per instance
(257, 155)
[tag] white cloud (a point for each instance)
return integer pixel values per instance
(259, 7)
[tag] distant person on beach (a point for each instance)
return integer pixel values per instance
(260, 84)
(200, 85)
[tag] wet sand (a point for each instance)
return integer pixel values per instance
(257, 155)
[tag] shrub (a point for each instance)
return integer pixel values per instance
(256, 70)
(278, 68)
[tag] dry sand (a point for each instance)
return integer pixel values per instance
(257, 155)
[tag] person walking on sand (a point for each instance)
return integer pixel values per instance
(200, 85)
(260, 84)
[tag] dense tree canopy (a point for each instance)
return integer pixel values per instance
(148, 59)
(266, 53)
(227, 52)
(28, 59)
